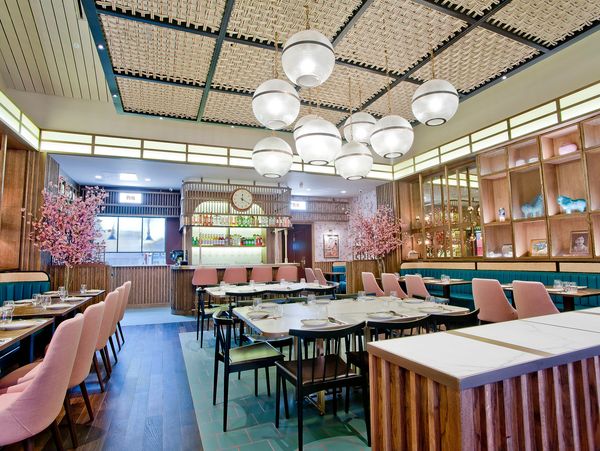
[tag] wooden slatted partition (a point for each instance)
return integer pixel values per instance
(94, 275)
(150, 285)
(354, 270)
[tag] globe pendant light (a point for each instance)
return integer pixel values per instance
(272, 157)
(354, 162)
(303, 120)
(358, 127)
(275, 104)
(308, 58)
(392, 136)
(318, 142)
(435, 102)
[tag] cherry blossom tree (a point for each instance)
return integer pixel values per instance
(67, 227)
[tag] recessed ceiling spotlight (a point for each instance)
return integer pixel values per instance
(100, 47)
(232, 126)
(128, 177)
(98, 177)
(76, 45)
(115, 96)
(343, 191)
(160, 118)
(147, 179)
(504, 77)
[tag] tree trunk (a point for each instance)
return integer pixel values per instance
(67, 279)
(381, 265)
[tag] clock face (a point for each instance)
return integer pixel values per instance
(242, 199)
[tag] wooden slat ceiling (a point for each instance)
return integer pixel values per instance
(201, 60)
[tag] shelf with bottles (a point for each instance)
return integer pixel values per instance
(498, 241)
(591, 132)
(229, 237)
(523, 153)
(570, 237)
(565, 186)
(531, 239)
(215, 220)
(561, 142)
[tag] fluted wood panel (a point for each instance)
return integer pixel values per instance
(389, 195)
(353, 273)
(555, 408)
(150, 285)
(324, 266)
(94, 275)
(182, 295)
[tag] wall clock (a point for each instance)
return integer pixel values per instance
(242, 199)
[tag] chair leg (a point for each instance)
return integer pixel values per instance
(268, 381)
(118, 339)
(334, 402)
(347, 403)
(299, 409)
(112, 347)
(225, 400)
(106, 361)
(69, 416)
(255, 381)
(201, 332)
(285, 399)
(215, 378)
(365, 397)
(277, 399)
(86, 399)
(121, 330)
(56, 435)
(198, 324)
(97, 368)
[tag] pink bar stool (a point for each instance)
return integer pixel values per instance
(390, 283)
(288, 273)
(262, 274)
(532, 299)
(491, 301)
(235, 274)
(370, 285)
(415, 286)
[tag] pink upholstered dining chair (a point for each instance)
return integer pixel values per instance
(34, 405)
(124, 301)
(532, 299)
(235, 274)
(370, 285)
(492, 302)
(287, 273)
(205, 276)
(390, 283)
(320, 276)
(415, 286)
(262, 274)
(106, 330)
(310, 275)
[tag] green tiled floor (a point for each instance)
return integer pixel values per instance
(251, 423)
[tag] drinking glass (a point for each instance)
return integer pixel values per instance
(572, 287)
(10, 308)
(252, 283)
(3, 314)
(430, 299)
(36, 299)
(83, 288)
(361, 296)
(256, 303)
(321, 311)
(62, 293)
(303, 281)
(393, 295)
(279, 311)
(282, 281)
(557, 284)
(45, 300)
(445, 278)
(418, 274)
(311, 299)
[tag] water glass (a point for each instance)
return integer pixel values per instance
(321, 311)
(252, 283)
(222, 284)
(311, 299)
(445, 278)
(418, 274)
(10, 308)
(430, 299)
(282, 282)
(393, 295)
(256, 302)
(572, 287)
(83, 288)
(45, 301)
(303, 281)
(62, 293)
(3, 315)
(557, 284)
(361, 296)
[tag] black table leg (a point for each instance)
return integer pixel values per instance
(568, 303)
(446, 291)
(26, 350)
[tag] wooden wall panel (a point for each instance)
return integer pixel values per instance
(150, 285)
(11, 216)
(324, 266)
(94, 275)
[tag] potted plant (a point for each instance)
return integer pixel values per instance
(67, 227)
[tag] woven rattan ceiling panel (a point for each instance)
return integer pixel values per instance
(477, 58)
(400, 99)
(156, 52)
(159, 99)
(229, 108)
(260, 20)
(474, 8)
(201, 14)
(547, 21)
(408, 33)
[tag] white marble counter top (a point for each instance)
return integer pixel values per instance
(475, 356)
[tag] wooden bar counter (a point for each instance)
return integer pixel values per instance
(520, 385)
(182, 295)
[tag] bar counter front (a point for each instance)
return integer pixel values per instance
(182, 295)
(524, 384)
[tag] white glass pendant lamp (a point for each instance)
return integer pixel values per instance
(392, 136)
(276, 104)
(354, 161)
(358, 127)
(308, 58)
(435, 102)
(272, 157)
(303, 120)
(318, 142)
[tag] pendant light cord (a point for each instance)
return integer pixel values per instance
(432, 64)
(350, 104)
(387, 87)
(275, 71)
(307, 12)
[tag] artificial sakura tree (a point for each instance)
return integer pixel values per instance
(374, 237)
(67, 227)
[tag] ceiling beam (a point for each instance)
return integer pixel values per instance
(351, 22)
(215, 57)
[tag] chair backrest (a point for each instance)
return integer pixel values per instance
(110, 308)
(92, 320)
(235, 274)
(532, 299)
(370, 284)
(393, 329)
(287, 273)
(125, 300)
(117, 316)
(319, 361)
(450, 322)
(390, 283)
(415, 286)
(262, 274)
(223, 324)
(310, 275)
(320, 276)
(491, 301)
(205, 276)
(29, 412)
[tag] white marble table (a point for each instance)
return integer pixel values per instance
(345, 311)
(264, 288)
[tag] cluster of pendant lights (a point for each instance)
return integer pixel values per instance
(308, 60)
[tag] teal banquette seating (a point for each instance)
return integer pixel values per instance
(15, 285)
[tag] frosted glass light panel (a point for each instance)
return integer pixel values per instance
(109, 227)
(153, 234)
(130, 235)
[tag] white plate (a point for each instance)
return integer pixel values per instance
(428, 278)
(413, 301)
(51, 293)
(74, 299)
(59, 306)
(554, 290)
(93, 291)
(581, 287)
(431, 309)
(24, 301)
(456, 280)
(380, 315)
(314, 322)
(258, 314)
(16, 325)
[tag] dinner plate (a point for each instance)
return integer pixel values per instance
(456, 280)
(16, 325)
(74, 299)
(413, 301)
(428, 278)
(24, 302)
(380, 315)
(93, 291)
(555, 290)
(51, 293)
(314, 322)
(58, 306)
(258, 314)
(581, 287)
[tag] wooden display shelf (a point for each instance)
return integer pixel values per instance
(552, 142)
(494, 195)
(591, 132)
(526, 232)
(563, 232)
(525, 186)
(523, 153)
(564, 177)
(498, 241)
(593, 169)
(595, 217)
(493, 162)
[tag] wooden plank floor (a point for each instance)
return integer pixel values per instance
(147, 404)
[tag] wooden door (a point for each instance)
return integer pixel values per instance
(299, 246)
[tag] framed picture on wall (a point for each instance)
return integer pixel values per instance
(539, 247)
(580, 242)
(331, 246)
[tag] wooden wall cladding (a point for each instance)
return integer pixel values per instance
(324, 266)
(354, 270)
(183, 295)
(94, 275)
(555, 408)
(150, 285)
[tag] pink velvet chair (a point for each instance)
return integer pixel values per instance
(262, 274)
(34, 405)
(390, 283)
(320, 276)
(310, 275)
(415, 286)
(205, 276)
(287, 273)
(106, 330)
(491, 301)
(370, 285)
(532, 299)
(127, 287)
(235, 274)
